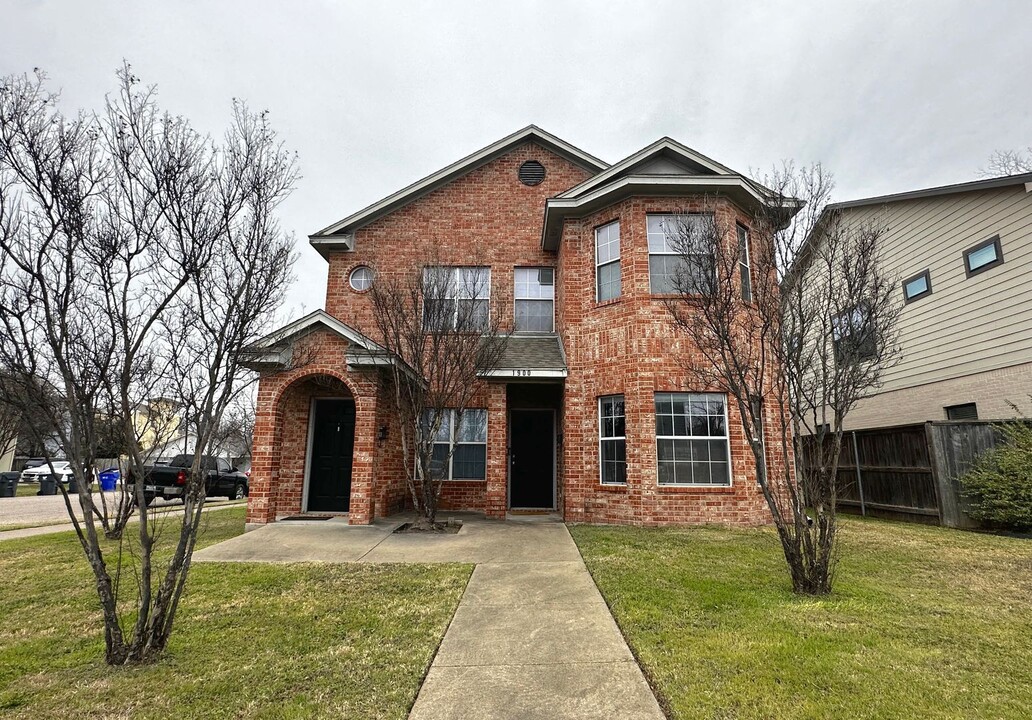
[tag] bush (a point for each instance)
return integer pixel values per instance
(999, 486)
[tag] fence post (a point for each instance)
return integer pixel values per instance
(859, 477)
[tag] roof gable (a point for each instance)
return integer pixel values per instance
(340, 235)
(665, 157)
(274, 349)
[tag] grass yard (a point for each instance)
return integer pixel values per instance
(26, 489)
(251, 641)
(924, 622)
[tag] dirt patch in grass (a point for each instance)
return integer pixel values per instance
(251, 641)
(924, 622)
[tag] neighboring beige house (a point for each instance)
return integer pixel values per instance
(963, 255)
(6, 454)
(8, 439)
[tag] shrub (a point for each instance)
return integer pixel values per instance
(999, 486)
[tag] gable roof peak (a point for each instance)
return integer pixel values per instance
(691, 160)
(339, 235)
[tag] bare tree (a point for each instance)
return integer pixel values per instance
(1008, 162)
(795, 319)
(437, 326)
(137, 258)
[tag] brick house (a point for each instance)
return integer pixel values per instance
(589, 414)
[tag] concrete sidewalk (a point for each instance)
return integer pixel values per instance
(67, 527)
(532, 636)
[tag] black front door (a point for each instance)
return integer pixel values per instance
(333, 440)
(531, 459)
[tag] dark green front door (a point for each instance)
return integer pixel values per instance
(333, 442)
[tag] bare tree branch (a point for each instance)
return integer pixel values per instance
(796, 322)
(137, 259)
(436, 323)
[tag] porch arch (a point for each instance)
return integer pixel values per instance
(289, 407)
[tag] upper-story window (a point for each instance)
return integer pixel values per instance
(680, 255)
(986, 254)
(535, 299)
(916, 287)
(743, 262)
(854, 335)
(607, 261)
(456, 298)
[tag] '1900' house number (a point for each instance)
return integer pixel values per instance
(521, 373)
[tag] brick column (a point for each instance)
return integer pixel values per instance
(496, 495)
(361, 506)
(261, 500)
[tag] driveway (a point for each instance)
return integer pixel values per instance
(531, 638)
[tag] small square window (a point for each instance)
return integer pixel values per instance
(917, 286)
(967, 411)
(983, 256)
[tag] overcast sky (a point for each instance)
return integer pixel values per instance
(890, 96)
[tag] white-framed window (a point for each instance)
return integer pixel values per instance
(680, 257)
(691, 439)
(456, 298)
(460, 445)
(758, 412)
(534, 292)
(612, 440)
(743, 262)
(361, 278)
(607, 261)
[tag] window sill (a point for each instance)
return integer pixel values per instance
(613, 487)
(607, 303)
(465, 480)
(696, 489)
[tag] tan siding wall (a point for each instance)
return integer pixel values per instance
(992, 391)
(967, 325)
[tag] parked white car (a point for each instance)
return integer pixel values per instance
(62, 468)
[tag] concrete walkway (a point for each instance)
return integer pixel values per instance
(531, 638)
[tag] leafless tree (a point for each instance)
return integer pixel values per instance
(795, 319)
(437, 327)
(235, 433)
(137, 258)
(1008, 162)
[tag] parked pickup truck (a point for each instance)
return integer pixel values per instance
(168, 481)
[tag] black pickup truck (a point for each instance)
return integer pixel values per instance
(168, 481)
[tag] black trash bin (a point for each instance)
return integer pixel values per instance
(73, 487)
(47, 485)
(8, 484)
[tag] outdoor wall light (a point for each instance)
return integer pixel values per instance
(382, 434)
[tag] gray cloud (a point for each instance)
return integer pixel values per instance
(889, 95)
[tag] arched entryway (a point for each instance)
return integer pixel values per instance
(317, 419)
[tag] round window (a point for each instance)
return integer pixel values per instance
(362, 278)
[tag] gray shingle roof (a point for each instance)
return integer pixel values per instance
(540, 352)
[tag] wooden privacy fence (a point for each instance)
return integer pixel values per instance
(912, 472)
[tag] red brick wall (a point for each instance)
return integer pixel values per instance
(629, 346)
(486, 217)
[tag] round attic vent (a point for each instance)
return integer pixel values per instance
(532, 172)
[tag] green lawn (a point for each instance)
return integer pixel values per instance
(26, 489)
(924, 622)
(263, 641)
